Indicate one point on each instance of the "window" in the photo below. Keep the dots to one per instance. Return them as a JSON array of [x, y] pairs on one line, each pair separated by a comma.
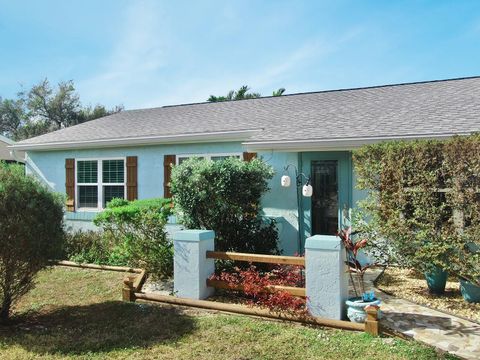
[[214, 157], [99, 181]]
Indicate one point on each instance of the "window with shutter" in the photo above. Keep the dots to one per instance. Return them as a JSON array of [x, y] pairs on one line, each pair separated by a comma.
[[168, 163], [132, 186], [248, 156], [70, 183], [98, 181]]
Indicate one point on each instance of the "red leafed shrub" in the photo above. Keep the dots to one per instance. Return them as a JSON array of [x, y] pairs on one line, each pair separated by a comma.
[[256, 288]]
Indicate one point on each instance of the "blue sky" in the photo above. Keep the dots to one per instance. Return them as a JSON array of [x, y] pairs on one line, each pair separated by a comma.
[[153, 53]]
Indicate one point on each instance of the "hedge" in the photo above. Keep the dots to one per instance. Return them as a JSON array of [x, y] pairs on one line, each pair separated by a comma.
[[424, 201]]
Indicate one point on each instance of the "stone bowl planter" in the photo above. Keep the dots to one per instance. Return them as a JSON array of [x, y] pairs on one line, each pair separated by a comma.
[[470, 292], [356, 309]]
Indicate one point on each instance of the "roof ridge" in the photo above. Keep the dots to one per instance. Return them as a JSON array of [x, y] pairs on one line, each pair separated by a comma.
[[317, 92]]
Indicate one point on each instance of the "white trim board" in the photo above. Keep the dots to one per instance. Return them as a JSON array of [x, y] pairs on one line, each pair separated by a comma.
[[219, 136], [337, 144]]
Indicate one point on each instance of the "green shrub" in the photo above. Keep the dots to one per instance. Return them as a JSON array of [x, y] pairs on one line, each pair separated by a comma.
[[88, 247], [137, 230], [424, 200], [224, 196], [31, 223]]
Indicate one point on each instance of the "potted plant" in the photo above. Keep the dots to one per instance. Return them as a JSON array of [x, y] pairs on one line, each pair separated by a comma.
[[356, 305], [470, 290], [468, 269], [436, 279]]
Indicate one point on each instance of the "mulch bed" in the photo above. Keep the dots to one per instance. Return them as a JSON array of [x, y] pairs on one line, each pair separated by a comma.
[[411, 285]]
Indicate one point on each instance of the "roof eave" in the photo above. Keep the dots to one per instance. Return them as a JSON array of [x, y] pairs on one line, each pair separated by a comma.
[[219, 136], [336, 144]]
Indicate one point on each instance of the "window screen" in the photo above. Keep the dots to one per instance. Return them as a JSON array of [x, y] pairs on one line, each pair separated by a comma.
[[111, 192], [87, 172], [113, 171], [183, 158], [87, 196], [224, 157]]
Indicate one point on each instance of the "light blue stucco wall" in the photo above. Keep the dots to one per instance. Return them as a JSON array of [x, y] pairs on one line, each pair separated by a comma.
[[49, 166], [280, 203]]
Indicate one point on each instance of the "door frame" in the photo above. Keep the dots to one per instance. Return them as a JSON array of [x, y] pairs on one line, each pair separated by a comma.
[[344, 174]]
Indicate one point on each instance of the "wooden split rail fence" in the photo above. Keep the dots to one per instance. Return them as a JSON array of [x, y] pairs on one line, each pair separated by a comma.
[[133, 283], [266, 259], [132, 291]]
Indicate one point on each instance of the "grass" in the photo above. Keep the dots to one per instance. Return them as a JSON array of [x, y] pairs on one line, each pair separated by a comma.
[[411, 285], [77, 314]]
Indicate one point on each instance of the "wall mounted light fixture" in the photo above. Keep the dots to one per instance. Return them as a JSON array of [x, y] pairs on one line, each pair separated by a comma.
[[285, 181]]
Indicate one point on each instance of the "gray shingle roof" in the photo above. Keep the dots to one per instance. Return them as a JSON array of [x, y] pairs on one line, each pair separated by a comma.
[[425, 108]]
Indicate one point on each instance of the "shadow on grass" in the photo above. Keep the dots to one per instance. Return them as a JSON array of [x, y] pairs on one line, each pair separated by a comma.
[[97, 328]]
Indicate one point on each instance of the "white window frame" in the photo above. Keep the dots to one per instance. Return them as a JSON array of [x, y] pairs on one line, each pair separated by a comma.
[[205, 156], [99, 184]]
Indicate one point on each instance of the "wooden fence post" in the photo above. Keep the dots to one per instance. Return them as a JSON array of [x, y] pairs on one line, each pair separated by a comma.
[[128, 292], [371, 324]]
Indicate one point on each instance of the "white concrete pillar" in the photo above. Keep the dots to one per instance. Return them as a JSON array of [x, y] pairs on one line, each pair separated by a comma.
[[191, 267], [326, 278]]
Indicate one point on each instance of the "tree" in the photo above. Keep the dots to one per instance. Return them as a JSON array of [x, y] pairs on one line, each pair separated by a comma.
[[12, 116], [91, 113], [224, 196], [31, 219], [44, 108], [241, 94], [59, 108]]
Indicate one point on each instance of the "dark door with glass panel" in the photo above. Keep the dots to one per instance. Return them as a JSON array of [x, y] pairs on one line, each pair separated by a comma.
[[325, 197]]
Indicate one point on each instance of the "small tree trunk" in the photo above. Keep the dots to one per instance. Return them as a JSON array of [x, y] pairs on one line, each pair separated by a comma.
[[5, 309]]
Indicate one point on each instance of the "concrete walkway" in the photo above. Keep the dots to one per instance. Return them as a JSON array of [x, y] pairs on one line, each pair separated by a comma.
[[435, 328]]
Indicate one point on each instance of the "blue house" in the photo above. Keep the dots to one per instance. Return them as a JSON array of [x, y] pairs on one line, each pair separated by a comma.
[[130, 154]]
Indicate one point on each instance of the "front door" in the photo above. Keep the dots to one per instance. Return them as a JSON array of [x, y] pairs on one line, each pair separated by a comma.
[[331, 178], [324, 206]]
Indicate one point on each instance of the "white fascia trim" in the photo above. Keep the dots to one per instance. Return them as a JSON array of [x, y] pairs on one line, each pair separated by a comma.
[[336, 144], [6, 140], [219, 136]]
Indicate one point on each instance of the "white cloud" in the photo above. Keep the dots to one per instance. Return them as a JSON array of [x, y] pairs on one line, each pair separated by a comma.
[[138, 52], [148, 66], [264, 79]]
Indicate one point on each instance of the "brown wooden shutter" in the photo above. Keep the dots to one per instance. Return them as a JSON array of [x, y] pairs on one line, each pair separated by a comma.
[[248, 156], [132, 186], [168, 162], [70, 183]]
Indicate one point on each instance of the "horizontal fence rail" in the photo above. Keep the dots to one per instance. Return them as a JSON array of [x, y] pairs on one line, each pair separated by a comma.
[[252, 311], [96, 266], [220, 284], [268, 259]]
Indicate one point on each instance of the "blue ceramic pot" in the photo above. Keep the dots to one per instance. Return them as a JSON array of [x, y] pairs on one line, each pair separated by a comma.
[[470, 292], [436, 280], [356, 309]]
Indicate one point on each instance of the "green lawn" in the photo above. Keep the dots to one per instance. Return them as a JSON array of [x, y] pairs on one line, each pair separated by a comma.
[[78, 314]]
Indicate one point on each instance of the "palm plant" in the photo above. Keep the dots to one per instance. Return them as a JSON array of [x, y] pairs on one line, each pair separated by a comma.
[[242, 94], [278, 92]]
